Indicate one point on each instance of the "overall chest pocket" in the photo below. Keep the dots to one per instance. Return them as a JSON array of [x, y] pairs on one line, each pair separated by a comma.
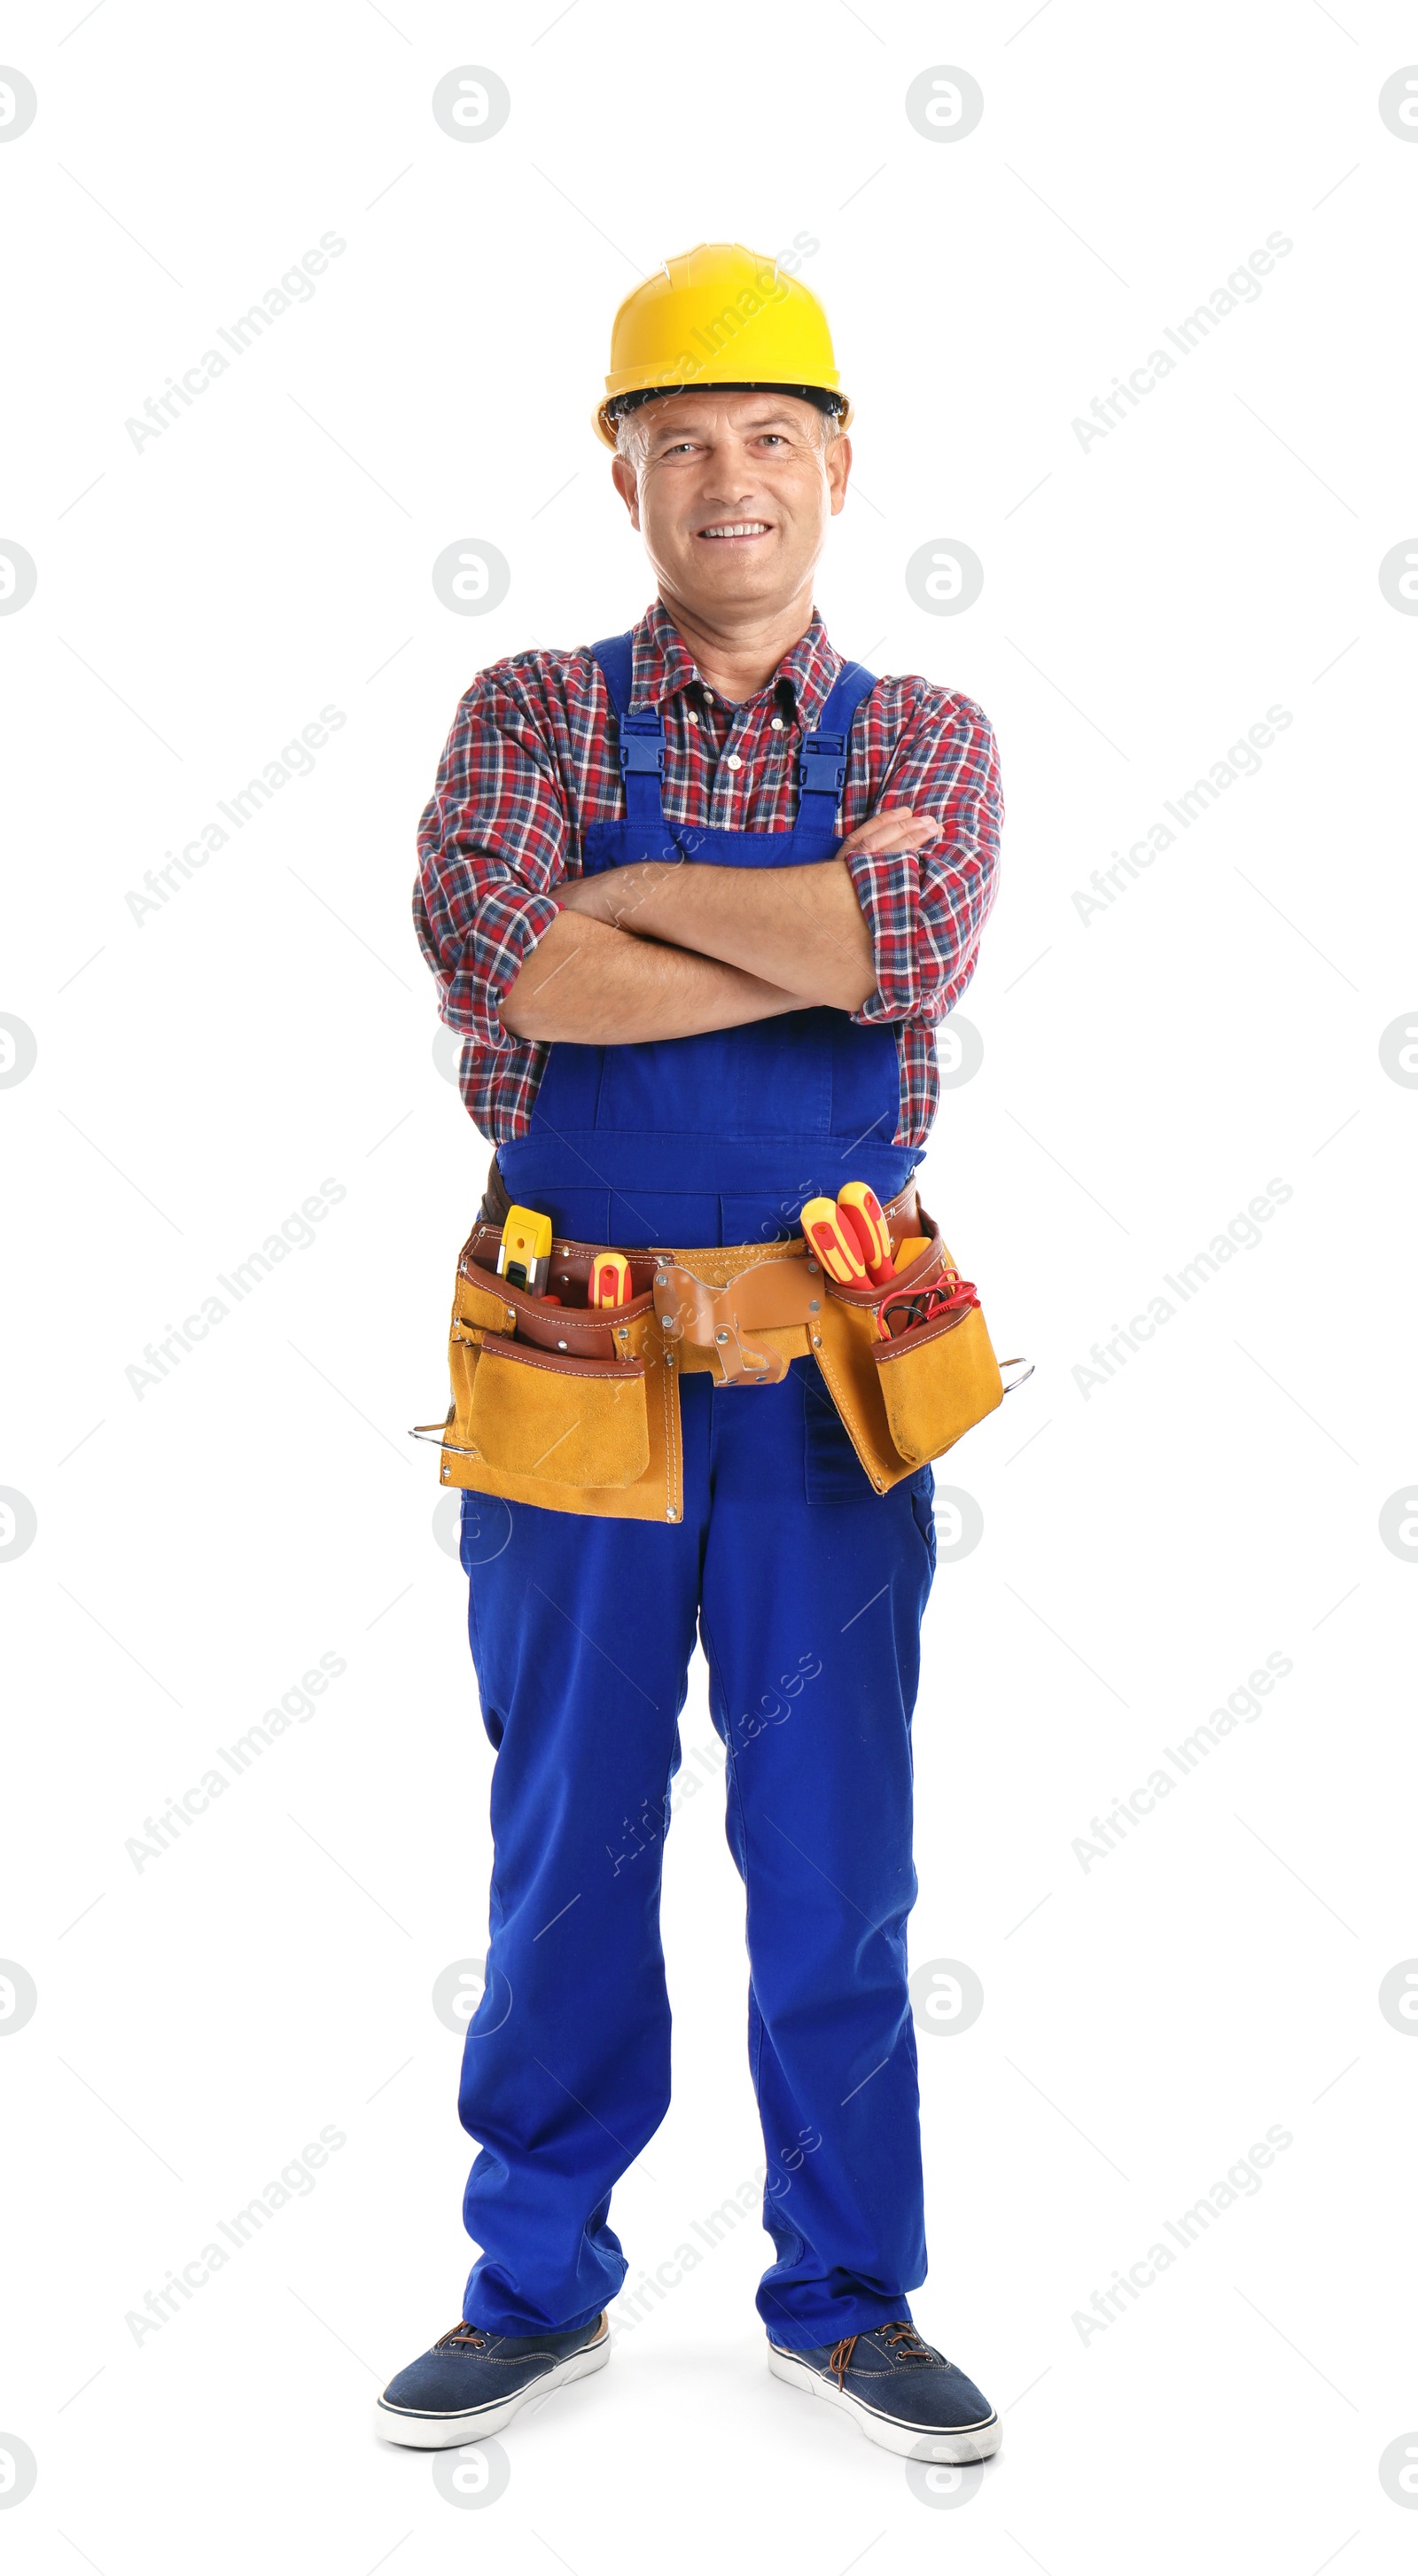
[[765, 1079], [770, 1078], [657, 1086], [781, 1076]]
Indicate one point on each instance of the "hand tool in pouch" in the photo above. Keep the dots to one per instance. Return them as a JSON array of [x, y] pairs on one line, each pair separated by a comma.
[[525, 1250], [835, 1241], [610, 1283], [861, 1214]]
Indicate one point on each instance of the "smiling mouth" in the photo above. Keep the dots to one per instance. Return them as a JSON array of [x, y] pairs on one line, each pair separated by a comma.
[[735, 531]]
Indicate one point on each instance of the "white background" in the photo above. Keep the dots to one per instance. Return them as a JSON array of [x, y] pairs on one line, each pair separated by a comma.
[[1145, 1546]]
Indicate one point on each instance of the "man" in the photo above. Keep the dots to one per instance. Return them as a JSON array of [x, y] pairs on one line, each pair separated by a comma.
[[687, 1006]]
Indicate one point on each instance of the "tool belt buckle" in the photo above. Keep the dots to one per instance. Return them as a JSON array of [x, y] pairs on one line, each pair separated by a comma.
[[694, 1310]]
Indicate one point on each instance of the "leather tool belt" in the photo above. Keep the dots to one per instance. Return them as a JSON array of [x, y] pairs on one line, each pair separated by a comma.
[[576, 1408]]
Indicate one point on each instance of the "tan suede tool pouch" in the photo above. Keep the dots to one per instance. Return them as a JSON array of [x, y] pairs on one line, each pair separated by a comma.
[[905, 1402], [578, 1422], [592, 1426], [938, 1381]]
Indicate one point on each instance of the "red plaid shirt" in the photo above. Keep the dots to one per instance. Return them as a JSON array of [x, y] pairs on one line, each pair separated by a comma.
[[530, 762]]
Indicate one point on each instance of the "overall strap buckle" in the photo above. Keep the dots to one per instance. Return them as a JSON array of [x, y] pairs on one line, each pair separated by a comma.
[[642, 743], [822, 762], [822, 765], [822, 774], [641, 753]]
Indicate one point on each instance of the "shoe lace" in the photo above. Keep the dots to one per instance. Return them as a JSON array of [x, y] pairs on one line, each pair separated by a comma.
[[899, 2336], [461, 2337]]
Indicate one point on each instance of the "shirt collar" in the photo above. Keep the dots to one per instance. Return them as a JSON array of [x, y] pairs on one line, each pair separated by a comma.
[[663, 667]]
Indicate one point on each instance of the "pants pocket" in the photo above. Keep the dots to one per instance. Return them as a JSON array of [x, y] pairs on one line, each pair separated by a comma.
[[832, 1471], [923, 1509]]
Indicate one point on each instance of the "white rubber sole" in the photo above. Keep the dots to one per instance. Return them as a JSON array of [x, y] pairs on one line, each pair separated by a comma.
[[417, 2432], [908, 2441]]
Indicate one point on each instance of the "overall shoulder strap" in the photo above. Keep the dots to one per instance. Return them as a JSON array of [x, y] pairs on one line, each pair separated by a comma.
[[641, 738], [822, 762], [615, 655]]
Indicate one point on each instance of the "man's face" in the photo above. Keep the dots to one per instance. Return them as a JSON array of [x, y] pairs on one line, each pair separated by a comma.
[[751, 463]]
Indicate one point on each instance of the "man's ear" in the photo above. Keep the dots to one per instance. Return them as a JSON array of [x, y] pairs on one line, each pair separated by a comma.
[[624, 479], [839, 467]]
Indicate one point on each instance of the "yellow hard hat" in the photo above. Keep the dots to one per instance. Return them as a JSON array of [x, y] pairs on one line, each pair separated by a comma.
[[722, 316]]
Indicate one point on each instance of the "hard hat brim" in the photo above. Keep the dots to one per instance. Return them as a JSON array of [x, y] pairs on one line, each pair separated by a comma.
[[828, 398]]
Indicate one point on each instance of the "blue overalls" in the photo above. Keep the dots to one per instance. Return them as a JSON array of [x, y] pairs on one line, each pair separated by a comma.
[[806, 1589]]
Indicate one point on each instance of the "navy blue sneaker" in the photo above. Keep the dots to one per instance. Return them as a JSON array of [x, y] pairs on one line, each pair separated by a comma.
[[902, 2392], [471, 2383]]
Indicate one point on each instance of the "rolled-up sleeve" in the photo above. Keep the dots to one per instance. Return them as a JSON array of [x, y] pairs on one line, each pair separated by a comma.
[[927, 908], [492, 844]]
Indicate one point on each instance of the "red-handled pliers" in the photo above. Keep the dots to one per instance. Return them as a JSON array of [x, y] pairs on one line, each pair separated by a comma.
[[946, 1295]]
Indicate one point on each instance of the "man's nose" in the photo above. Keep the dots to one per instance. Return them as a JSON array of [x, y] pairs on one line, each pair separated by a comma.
[[730, 483]]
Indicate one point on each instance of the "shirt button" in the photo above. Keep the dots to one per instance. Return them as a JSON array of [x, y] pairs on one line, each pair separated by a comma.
[[693, 718], [733, 761], [777, 724]]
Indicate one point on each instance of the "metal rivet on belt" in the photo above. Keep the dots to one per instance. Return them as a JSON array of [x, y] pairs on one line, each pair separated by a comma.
[[561, 1346], [721, 1337], [813, 1305], [817, 1341], [662, 1279], [812, 1265]]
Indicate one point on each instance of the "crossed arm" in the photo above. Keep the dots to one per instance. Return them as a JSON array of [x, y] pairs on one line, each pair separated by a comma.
[[661, 950]]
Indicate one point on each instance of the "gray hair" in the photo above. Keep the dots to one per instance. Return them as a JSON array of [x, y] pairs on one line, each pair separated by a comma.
[[632, 431]]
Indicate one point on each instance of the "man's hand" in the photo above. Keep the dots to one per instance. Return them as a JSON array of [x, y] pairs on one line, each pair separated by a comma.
[[800, 929], [896, 827]]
